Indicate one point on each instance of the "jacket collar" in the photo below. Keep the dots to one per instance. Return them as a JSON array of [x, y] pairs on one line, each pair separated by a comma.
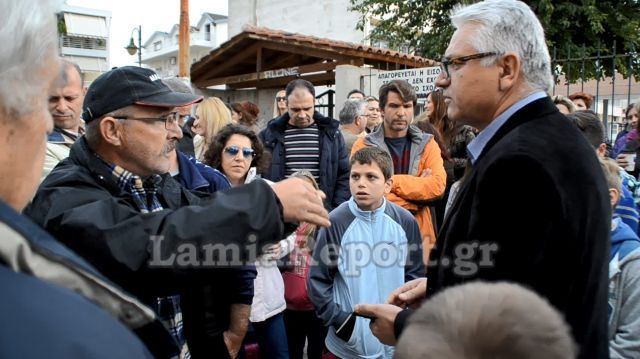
[[416, 136], [325, 124], [368, 216], [190, 177], [540, 108]]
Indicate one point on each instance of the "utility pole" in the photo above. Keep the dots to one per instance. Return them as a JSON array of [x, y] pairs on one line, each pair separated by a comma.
[[184, 64]]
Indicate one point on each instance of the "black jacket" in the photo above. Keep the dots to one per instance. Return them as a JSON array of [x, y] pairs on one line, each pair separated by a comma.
[[537, 193], [334, 159], [80, 204]]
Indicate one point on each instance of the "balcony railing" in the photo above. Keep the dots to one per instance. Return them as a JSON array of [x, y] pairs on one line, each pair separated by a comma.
[[89, 43]]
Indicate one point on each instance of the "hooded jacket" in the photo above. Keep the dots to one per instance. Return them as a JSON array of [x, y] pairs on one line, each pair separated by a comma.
[[624, 292], [412, 191], [334, 159]]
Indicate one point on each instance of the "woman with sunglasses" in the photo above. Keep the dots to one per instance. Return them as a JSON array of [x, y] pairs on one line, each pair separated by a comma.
[[238, 153], [280, 104], [211, 116]]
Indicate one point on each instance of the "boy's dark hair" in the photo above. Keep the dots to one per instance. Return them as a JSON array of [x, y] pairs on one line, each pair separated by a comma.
[[589, 124], [370, 155], [402, 88]]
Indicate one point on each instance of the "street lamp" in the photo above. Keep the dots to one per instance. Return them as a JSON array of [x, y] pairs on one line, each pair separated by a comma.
[[132, 48]]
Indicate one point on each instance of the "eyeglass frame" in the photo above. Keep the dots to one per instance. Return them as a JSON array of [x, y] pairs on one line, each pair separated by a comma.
[[167, 119], [244, 150], [461, 60]]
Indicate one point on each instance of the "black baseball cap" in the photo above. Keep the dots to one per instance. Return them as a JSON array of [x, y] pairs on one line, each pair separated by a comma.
[[130, 85]]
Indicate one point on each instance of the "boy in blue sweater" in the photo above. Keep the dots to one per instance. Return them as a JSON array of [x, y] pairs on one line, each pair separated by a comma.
[[372, 247], [624, 278]]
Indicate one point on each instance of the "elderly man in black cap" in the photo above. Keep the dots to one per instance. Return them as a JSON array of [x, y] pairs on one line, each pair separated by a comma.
[[113, 202]]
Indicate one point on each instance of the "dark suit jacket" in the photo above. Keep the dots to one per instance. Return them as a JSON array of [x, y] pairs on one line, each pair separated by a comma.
[[538, 195]]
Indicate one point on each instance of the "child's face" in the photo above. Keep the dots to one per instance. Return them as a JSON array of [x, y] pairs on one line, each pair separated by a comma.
[[368, 185]]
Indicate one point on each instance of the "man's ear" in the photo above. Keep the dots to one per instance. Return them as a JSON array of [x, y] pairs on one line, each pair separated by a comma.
[[510, 65], [111, 131]]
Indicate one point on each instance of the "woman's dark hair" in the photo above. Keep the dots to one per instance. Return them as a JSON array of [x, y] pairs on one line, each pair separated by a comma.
[[248, 119], [427, 127], [440, 120], [248, 110], [213, 156]]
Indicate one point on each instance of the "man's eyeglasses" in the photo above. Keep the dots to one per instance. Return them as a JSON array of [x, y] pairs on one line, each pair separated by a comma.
[[233, 150], [280, 98], [444, 64], [169, 120]]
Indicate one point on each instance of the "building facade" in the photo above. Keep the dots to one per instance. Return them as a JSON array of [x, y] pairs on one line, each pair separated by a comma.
[[161, 49], [321, 18], [84, 39]]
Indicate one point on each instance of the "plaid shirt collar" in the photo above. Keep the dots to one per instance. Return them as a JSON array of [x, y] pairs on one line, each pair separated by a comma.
[[143, 191]]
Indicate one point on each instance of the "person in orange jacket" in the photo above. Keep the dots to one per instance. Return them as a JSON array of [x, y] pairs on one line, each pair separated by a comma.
[[419, 175]]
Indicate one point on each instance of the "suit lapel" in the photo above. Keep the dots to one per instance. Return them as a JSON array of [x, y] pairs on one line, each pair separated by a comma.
[[530, 112]]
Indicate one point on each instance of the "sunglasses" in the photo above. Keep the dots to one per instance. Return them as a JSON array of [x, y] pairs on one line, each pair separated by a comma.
[[280, 98], [233, 150]]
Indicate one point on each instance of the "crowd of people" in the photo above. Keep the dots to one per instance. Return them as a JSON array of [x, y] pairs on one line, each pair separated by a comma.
[[142, 220]]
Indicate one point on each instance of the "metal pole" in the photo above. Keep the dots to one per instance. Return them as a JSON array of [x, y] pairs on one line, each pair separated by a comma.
[[597, 78], [139, 45], [632, 55], [613, 87], [582, 70], [553, 70], [568, 72]]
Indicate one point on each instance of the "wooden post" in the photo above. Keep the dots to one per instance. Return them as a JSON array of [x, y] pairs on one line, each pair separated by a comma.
[[183, 40]]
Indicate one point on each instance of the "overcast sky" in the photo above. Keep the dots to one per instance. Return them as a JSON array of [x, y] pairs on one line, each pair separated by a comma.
[[152, 15]]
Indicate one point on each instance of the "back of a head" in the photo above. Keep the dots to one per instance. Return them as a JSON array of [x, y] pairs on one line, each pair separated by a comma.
[[350, 110], [29, 54], [176, 84], [215, 113], [561, 100], [251, 108], [590, 125], [509, 26], [29, 63], [481, 320]]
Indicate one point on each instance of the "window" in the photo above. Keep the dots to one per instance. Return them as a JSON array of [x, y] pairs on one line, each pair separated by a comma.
[[207, 32], [157, 46], [172, 61]]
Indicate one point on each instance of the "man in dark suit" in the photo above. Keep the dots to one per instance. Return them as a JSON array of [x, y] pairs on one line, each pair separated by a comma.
[[533, 208]]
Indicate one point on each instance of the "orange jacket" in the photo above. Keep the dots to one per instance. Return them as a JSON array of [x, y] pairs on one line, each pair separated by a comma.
[[411, 191]]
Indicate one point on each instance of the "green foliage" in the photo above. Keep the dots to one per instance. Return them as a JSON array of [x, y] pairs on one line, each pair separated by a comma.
[[574, 29]]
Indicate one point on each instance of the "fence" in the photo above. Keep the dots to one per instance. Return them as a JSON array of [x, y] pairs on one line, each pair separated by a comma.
[[612, 89]]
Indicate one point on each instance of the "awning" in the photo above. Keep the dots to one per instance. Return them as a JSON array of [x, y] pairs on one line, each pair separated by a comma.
[[83, 25]]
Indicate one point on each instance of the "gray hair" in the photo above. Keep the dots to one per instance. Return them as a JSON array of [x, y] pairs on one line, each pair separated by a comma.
[[486, 320], [509, 26], [176, 84], [30, 53], [352, 109]]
